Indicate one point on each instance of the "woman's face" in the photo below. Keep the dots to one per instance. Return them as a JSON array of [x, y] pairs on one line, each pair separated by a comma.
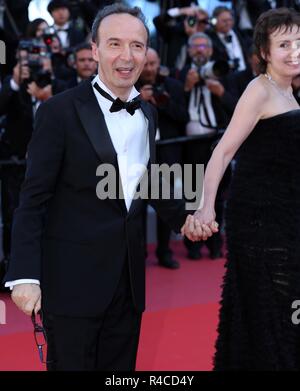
[[284, 52], [40, 29]]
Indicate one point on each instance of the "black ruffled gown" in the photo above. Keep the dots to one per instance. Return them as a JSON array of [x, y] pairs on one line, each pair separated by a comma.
[[262, 276]]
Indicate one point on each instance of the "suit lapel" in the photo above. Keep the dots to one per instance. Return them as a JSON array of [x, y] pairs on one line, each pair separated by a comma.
[[151, 129], [95, 127], [146, 109], [94, 124]]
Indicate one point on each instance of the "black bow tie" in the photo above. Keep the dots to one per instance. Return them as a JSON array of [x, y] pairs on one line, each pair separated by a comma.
[[228, 38], [118, 104], [64, 29]]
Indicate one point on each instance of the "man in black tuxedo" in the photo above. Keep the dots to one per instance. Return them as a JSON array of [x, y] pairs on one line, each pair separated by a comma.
[[85, 247], [69, 34], [228, 44]]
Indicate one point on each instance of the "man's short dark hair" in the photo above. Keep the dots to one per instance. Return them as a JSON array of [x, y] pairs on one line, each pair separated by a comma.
[[118, 8], [219, 10], [55, 4], [269, 22], [82, 46]]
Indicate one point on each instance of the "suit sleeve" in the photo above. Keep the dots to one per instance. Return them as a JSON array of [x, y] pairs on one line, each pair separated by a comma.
[[45, 155], [172, 211]]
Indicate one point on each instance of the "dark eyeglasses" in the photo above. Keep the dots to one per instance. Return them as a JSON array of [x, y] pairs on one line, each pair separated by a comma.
[[40, 337]]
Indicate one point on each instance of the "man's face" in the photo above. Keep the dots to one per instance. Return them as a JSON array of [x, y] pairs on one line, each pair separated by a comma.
[[60, 15], [85, 65], [224, 22], [151, 67], [120, 52], [202, 22], [200, 51]]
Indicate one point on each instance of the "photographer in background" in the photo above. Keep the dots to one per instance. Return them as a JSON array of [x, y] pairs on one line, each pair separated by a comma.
[[30, 84], [167, 95], [174, 27], [13, 24], [228, 43], [209, 113]]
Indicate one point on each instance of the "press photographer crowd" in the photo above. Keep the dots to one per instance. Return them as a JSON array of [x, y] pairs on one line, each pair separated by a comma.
[[198, 66]]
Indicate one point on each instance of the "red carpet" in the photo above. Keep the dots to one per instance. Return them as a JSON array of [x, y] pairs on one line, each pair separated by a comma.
[[178, 328]]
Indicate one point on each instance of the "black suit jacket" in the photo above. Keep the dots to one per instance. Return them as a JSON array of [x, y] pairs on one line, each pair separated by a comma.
[[235, 84], [17, 106], [219, 49], [254, 8], [63, 235], [172, 118]]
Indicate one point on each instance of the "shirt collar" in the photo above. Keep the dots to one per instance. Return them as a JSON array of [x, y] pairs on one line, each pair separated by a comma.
[[133, 92], [63, 27], [222, 35]]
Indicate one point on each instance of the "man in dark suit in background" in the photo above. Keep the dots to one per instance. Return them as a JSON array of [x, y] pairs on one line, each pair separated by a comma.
[[167, 95], [83, 246], [20, 96], [228, 43], [85, 65], [69, 34]]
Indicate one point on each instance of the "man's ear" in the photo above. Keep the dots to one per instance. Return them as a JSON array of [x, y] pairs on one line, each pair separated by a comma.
[[95, 52]]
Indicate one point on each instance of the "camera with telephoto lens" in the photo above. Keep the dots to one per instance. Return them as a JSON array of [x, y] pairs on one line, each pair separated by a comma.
[[159, 90], [35, 52], [191, 21], [214, 70], [234, 64]]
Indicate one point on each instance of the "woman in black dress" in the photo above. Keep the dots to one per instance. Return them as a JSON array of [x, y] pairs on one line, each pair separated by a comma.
[[262, 278]]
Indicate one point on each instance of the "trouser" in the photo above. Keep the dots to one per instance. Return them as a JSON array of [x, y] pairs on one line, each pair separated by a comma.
[[108, 342]]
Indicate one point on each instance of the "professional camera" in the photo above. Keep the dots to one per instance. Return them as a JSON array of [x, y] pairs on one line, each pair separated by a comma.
[[214, 69], [234, 64], [191, 21], [35, 52], [159, 90], [48, 35]]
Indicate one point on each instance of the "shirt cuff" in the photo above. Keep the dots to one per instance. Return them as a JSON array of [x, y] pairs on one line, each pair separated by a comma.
[[11, 284], [173, 12], [13, 85]]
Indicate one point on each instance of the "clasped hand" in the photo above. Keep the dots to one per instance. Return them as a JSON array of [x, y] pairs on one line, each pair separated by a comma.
[[200, 226]]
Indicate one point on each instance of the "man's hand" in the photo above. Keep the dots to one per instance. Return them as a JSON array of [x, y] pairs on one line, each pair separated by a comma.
[[215, 87], [27, 297], [147, 94], [20, 73], [192, 78], [200, 226], [39, 93]]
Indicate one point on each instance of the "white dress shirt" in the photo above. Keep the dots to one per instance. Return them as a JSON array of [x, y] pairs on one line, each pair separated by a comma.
[[197, 113], [234, 49], [63, 35], [130, 138]]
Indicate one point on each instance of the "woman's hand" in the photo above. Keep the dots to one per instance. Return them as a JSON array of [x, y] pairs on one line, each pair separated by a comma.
[[206, 218]]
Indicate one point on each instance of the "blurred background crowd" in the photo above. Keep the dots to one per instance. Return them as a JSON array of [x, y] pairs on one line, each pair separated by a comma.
[[200, 61]]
